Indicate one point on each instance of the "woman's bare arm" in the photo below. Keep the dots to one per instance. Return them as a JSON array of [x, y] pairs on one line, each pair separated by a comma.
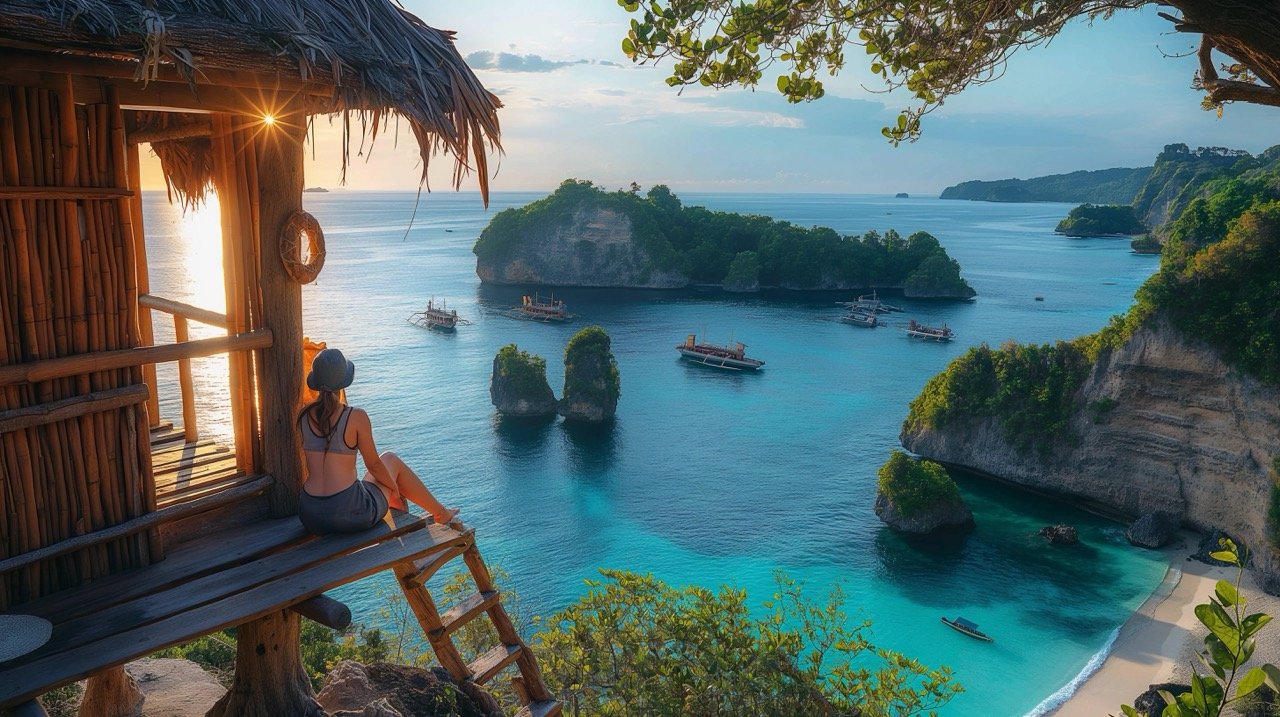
[[369, 451]]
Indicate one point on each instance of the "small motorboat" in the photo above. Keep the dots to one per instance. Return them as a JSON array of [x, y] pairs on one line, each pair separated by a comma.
[[969, 628]]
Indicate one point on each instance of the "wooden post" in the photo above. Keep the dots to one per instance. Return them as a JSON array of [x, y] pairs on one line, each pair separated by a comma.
[[111, 693], [180, 335], [269, 680], [279, 154]]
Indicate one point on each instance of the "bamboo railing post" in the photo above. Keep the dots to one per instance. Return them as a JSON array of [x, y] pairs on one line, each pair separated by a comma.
[[184, 380], [146, 334], [279, 159]]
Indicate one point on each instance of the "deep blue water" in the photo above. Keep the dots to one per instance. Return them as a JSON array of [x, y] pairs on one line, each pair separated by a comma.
[[710, 477]]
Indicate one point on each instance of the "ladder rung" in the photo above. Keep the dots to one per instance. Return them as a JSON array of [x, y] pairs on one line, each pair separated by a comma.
[[466, 611], [429, 565], [546, 708], [488, 665]]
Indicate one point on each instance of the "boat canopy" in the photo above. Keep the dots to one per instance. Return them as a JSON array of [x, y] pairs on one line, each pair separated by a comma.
[[966, 624]]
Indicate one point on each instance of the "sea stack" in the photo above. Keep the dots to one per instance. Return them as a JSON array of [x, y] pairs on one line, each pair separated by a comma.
[[591, 383], [918, 496], [519, 385]]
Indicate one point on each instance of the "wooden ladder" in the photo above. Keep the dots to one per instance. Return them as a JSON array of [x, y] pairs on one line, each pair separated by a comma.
[[439, 629]]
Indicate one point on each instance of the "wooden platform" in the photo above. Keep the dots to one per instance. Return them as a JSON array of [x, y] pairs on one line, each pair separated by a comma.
[[186, 471]]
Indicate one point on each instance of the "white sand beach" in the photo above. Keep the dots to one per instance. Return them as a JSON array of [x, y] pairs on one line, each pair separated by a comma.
[[1159, 642]]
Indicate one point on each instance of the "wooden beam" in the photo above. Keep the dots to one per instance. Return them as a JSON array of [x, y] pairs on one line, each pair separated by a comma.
[[63, 193], [166, 134], [178, 308], [97, 402], [126, 358], [279, 160], [137, 525], [324, 610]]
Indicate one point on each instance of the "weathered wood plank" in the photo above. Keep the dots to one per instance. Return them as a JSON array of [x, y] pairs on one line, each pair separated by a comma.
[[488, 665], [466, 611], [203, 490], [54, 411], [545, 708], [39, 674]]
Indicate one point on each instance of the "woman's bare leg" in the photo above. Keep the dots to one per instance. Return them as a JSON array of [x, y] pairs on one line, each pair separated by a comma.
[[410, 486]]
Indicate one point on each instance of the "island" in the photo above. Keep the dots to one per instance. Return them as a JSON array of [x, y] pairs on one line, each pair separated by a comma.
[[316, 190], [1103, 186], [519, 387], [582, 235], [1101, 220], [591, 383], [902, 195], [917, 496]]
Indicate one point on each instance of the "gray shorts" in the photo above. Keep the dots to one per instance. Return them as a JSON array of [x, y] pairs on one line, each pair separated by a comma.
[[351, 510]]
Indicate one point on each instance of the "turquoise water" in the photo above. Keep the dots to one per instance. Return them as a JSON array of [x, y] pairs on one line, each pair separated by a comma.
[[710, 477]]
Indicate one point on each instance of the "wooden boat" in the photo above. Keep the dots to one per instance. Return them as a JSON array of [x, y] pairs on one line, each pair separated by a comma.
[[533, 308], [969, 628], [858, 317], [918, 330], [732, 358], [870, 303], [438, 318]]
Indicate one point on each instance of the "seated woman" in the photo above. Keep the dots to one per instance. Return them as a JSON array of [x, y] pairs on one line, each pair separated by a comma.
[[334, 499]]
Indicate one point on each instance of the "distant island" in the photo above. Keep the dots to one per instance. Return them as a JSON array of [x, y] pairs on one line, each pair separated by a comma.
[[902, 195], [316, 190], [1101, 220], [581, 235], [1103, 186]]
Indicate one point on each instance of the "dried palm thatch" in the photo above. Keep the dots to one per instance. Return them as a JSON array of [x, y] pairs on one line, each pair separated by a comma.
[[378, 59]]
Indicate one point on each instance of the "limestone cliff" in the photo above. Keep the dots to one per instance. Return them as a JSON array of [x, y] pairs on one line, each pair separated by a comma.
[[592, 247], [1172, 427]]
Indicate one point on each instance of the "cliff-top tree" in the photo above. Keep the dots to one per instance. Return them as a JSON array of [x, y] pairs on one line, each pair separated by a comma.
[[933, 48]]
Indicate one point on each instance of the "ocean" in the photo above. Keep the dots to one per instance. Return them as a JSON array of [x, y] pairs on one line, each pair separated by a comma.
[[710, 477]]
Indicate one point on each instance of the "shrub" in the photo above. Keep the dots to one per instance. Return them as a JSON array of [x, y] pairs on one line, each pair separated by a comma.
[[527, 372], [913, 485], [634, 646]]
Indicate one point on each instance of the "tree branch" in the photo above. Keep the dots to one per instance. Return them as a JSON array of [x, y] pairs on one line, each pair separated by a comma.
[[1221, 90]]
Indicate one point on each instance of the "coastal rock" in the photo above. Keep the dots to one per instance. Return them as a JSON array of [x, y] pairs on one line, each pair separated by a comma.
[[518, 386], [383, 690], [174, 688], [1210, 544], [918, 496], [1262, 703], [1153, 530], [591, 383], [1060, 534], [1186, 433], [1151, 704]]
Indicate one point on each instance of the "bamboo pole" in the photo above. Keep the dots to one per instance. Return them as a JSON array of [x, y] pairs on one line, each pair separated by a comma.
[[178, 308], [73, 407], [145, 333], [187, 385]]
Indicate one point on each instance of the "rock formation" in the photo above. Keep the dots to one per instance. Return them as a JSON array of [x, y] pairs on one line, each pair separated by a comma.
[[1153, 530], [519, 385], [383, 690], [591, 383], [1151, 704], [917, 496], [1060, 534], [1185, 433]]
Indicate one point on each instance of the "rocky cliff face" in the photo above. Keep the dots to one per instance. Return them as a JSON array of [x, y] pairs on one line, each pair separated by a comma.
[[593, 248], [1169, 426]]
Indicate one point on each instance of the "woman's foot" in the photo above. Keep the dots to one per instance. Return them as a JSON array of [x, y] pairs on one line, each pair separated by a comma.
[[448, 517]]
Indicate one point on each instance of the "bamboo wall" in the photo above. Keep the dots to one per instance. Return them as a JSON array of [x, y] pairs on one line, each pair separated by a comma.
[[68, 285]]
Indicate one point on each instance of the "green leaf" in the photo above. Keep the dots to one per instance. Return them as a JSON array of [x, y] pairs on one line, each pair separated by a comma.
[[1252, 680], [1227, 593], [628, 47], [1225, 556], [1273, 676], [783, 83]]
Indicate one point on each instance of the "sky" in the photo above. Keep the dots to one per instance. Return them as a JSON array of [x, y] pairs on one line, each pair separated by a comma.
[[1111, 94]]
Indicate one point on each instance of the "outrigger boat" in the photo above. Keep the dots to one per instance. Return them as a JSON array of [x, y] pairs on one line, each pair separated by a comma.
[[732, 358], [533, 308], [870, 303], [969, 628], [917, 330], [858, 317], [438, 318]]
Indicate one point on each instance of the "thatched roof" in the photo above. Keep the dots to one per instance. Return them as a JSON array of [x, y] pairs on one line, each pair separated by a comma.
[[376, 58]]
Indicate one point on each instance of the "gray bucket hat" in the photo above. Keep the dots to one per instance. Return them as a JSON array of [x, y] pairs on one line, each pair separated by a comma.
[[330, 371]]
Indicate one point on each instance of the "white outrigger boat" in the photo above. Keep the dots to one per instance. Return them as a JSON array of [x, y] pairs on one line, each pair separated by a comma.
[[438, 318], [858, 317], [533, 308], [732, 358], [870, 303], [918, 330]]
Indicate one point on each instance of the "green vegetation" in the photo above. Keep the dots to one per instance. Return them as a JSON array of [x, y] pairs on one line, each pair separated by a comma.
[[1228, 648], [734, 249], [1177, 177], [1103, 186], [588, 349], [1030, 388], [527, 372], [1091, 220], [1273, 509], [913, 485], [937, 275], [1146, 244], [1101, 408], [634, 646]]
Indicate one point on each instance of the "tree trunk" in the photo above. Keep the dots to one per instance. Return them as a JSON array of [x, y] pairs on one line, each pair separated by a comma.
[[269, 681], [111, 693]]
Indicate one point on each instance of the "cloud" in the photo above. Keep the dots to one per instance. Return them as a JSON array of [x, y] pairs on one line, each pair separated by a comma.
[[510, 62]]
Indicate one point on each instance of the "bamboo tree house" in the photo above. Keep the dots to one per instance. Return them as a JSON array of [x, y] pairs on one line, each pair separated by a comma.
[[129, 534]]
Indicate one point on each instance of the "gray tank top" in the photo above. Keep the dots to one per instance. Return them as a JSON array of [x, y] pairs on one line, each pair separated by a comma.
[[337, 442]]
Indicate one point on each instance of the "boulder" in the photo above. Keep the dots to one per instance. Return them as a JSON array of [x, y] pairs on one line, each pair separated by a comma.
[[519, 385], [1211, 544], [1153, 530], [1151, 704], [1060, 534], [384, 690], [175, 688], [591, 383], [926, 520]]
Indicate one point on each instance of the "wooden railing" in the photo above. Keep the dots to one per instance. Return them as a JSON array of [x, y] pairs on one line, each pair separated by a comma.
[[181, 313]]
